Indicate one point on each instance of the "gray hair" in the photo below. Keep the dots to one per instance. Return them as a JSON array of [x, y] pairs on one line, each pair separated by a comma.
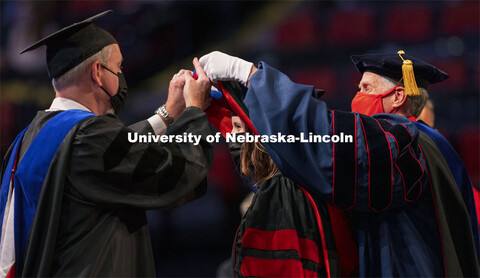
[[414, 104], [74, 76]]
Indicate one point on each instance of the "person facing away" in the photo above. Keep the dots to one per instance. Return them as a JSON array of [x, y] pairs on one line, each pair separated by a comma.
[[75, 187], [428, 114], [401, 182]]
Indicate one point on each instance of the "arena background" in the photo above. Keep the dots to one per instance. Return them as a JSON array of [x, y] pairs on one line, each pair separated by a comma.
[[311, 41]]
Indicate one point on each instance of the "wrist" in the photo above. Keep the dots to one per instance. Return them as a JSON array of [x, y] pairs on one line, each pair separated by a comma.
[[195, 103], [252, 71], [175, 108], [164, 115]]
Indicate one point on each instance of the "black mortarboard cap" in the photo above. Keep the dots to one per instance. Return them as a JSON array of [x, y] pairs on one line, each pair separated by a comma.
[[237, 94], [390, 65], [73, 44]]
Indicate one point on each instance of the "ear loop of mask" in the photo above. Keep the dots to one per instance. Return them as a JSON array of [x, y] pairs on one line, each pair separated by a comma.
[[112, 73], [393, 90]]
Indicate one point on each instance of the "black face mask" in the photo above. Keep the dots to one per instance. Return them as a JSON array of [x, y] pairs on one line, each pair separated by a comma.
[[118, 101]]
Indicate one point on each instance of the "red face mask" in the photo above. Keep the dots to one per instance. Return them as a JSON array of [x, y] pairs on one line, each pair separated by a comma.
[[369, 104]]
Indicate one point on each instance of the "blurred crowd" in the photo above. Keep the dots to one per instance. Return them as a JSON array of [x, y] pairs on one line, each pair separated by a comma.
[[311, 41]]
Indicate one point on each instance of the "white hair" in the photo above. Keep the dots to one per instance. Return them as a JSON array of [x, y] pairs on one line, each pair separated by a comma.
[[74, 75], [415, 104]]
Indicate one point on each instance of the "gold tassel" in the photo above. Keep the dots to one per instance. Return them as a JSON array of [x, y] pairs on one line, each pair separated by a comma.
[[411, 88]]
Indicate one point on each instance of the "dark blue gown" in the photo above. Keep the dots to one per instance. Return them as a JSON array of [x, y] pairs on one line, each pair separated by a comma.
[[381, 178]]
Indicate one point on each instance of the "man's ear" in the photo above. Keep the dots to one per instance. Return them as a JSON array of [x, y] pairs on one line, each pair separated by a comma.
[[400, 97], [96, 73]]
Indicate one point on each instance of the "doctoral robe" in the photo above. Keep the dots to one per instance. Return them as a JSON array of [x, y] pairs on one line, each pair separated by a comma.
[[90, 218], [392, 180], [288, 233]]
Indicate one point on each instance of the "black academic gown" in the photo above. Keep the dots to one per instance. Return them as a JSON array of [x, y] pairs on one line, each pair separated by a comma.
[[90, 218], [279, 236]]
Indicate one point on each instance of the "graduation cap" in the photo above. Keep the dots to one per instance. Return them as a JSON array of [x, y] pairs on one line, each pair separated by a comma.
[[73, 44], [398, 66], [231, 103]]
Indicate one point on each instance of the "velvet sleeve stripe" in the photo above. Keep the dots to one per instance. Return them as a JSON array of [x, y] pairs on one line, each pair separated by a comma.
[[176, 172], [281, 240], [117, 150], [380, 180], [344, 161], [279, 253], [407, 164]]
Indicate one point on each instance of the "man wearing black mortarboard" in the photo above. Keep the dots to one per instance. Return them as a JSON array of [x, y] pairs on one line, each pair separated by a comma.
[[400, 183], [76, 182]]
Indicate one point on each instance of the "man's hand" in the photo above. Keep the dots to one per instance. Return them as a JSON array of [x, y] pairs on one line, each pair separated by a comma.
[[222, 67], [176, 101], [195, 91]]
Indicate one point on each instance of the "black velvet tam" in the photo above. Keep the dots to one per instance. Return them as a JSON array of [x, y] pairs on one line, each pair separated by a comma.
[[390, 65], [72, 45]]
